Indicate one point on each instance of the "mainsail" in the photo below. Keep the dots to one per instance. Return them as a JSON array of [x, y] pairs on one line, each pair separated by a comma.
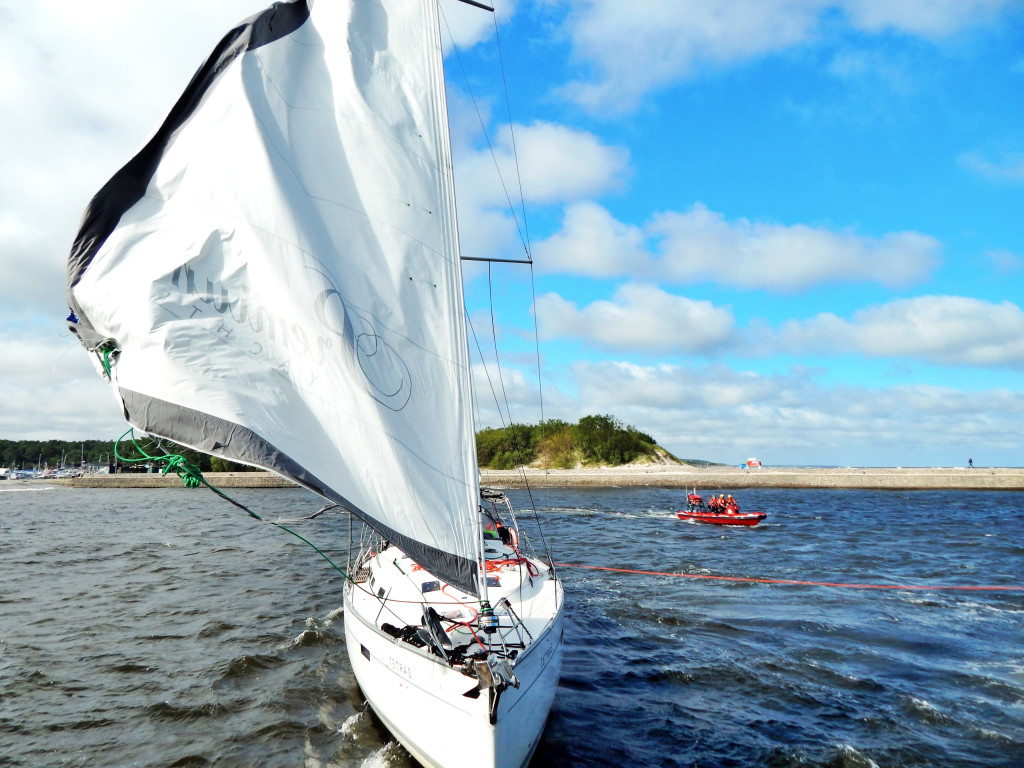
[[274, 278]]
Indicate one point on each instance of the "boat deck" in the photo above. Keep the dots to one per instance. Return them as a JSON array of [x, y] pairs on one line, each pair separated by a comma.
[[396, 590]]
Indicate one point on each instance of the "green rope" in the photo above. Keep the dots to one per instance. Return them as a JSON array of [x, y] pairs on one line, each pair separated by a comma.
[[108, 348], [192, 477], [189, 473]]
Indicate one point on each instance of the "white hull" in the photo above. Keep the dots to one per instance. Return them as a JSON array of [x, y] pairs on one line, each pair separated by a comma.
[[420, 698]]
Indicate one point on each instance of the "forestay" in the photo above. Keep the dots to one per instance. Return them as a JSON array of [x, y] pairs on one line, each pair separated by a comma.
[[276, 274]]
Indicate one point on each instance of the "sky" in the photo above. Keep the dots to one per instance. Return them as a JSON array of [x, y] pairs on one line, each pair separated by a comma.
[[789, 229]]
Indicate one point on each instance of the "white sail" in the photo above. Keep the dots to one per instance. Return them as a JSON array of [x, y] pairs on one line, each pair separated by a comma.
[[277, 274]]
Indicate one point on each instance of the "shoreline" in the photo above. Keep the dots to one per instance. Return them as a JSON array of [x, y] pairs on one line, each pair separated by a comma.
[[654, 476], [730, 478]]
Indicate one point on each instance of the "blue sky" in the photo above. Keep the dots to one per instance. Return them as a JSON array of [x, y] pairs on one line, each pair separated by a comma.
[[778, 228]]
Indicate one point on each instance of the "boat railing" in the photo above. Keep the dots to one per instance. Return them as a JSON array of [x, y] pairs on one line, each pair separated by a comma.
[[511, 633], [359, 564]]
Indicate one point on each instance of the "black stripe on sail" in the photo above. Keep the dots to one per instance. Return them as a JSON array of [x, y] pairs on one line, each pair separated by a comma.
[[220, 437], [129, 184]]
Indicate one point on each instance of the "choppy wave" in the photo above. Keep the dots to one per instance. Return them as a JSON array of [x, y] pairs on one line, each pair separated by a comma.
[[163, 628]]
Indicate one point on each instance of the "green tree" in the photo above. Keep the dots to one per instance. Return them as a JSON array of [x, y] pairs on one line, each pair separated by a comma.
[[558, 444]]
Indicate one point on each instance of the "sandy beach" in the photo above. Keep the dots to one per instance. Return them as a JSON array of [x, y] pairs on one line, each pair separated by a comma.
[[660, 476]]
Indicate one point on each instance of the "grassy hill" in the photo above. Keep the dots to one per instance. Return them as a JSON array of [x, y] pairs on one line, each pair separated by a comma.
[[556, 444]]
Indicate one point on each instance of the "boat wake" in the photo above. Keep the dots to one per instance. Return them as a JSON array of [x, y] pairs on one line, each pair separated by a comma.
[[391, 755], [348, 728]]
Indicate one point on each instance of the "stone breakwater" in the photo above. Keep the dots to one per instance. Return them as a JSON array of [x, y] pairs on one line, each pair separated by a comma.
[[712, 478], [657, 476]]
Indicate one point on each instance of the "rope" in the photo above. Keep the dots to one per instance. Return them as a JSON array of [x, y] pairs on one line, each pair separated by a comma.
[[1004, 588], [189, 473], [524, 237], [490, 146], [192, 477]]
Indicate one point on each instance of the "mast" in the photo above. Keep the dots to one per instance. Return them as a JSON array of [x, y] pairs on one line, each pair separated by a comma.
[[445, 157]]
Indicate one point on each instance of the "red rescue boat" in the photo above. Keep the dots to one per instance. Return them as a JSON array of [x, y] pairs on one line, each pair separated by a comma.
[[743, 518], [721, 514]]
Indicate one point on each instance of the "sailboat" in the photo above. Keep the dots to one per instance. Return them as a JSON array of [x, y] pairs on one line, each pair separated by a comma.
[[275, 278]]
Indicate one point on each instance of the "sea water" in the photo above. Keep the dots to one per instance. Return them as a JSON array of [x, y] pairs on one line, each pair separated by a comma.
[[165, 627]]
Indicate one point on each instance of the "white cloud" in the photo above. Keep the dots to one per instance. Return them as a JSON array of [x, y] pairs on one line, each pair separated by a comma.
[[726, 415], [487, 233], [866, 76], [940, 330], [591, 242], [1004, 261], [639, 318], [498, 392], [555, 164], [1005, 167], [701, 245], [946, 330], [648, 44], [32, 278], [51, 389], [924, 18]]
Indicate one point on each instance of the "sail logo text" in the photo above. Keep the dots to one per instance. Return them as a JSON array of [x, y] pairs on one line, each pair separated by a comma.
[[268, 335], [272, 328]]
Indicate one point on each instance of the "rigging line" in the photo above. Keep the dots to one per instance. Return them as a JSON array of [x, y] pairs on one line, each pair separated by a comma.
[[386, 599], [526, 223], [494, 394], [540, 527], [924, 587], [540, 393], [383, 600], [497, 363], [536, 344], [192, 477], [487, 373], [512, 133], [480, 119], [324, 508], [511, 426], [497, 403], [524, 238]]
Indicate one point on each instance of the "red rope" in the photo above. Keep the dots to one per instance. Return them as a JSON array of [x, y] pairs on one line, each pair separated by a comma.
[[792, 581], [493, 566]]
